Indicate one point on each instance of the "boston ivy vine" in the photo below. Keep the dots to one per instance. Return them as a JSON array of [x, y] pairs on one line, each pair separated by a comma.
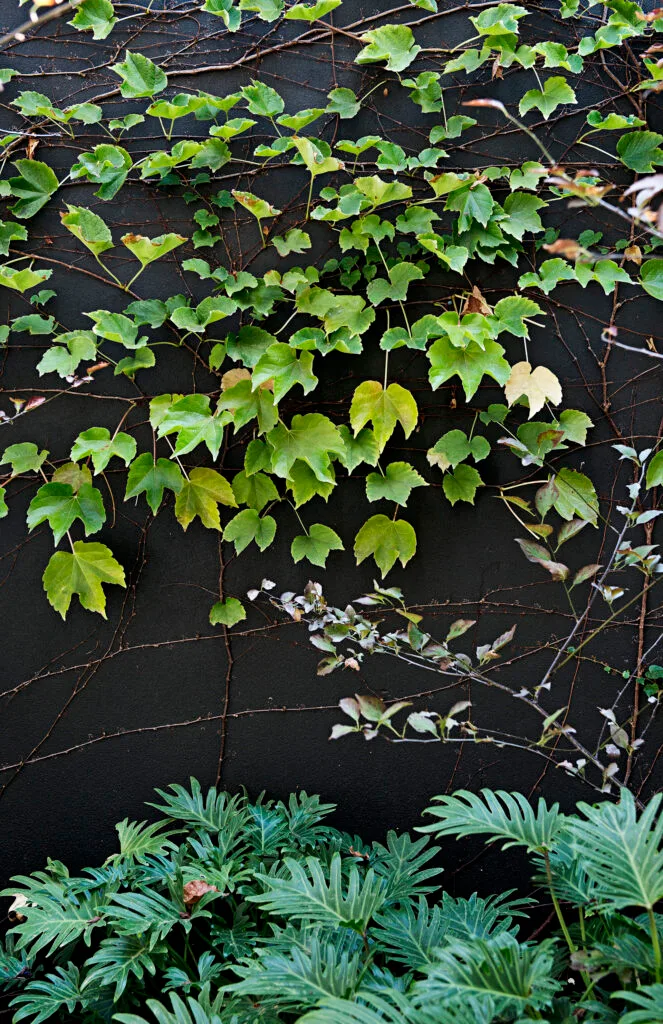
[[394, 221]]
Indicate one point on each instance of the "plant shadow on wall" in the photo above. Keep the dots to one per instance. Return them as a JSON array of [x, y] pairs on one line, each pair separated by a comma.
[[411, 322]]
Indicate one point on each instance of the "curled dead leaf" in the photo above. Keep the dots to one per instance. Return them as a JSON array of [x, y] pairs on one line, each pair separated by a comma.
[[194, 891]]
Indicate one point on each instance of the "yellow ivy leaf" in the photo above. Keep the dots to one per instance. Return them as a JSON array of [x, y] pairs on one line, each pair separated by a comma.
[[538, 386]]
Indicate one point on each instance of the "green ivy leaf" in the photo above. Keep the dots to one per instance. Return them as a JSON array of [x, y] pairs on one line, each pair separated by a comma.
[[312, 439], [343, 102], [98, 444], [470, 364], [316, 545], [88, 228], [256, 490], [151, 478], [310, 12], [96, 16], [556, 91], [654, 470], [61, 506], [147, 250], [461, 484], [140, 76], [244, 404], [401, 276], [200, 496], [651, 278], [82, 572], [294, 240], [386, 540], [360, 448], [392, 43], [10, 232], [248, 526], [640, 151], [191, 418], [260, 208], [22, 280], [396, 484], [33, 188], [522, 216], [576, 497], [454, 447], [262, 100], [384, 409], [227, 613], [23, 458], [107, 166], [64, 358], [281, 364]]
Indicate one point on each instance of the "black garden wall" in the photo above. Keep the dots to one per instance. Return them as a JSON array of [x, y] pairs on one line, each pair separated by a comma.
[[96, 713]]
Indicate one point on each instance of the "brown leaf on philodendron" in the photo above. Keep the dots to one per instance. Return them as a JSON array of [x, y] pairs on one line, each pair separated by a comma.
[[194, 891]]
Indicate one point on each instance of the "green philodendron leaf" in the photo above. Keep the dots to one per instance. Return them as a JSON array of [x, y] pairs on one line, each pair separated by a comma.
[[384, 409], [88, 228], [61, 506], [392, 43], [140, 76], [82, 571], [556, 91], [249, 526], [151, 479], [316, 545], [147, 250], [98, 444], [396, 484], [23, 458], [310, 12], [227, 613], [96, 16], [461, 484], [386, 540], [200, 496], [22, 280], [33, 188]]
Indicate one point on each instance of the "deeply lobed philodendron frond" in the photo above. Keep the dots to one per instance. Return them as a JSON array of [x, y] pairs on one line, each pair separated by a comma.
[[237, 912]]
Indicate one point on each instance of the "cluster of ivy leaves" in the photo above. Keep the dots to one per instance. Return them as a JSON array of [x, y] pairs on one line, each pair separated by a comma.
[[416, 217]]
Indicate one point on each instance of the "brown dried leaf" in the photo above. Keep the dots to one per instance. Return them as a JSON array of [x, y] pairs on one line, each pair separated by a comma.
[[194, 891]]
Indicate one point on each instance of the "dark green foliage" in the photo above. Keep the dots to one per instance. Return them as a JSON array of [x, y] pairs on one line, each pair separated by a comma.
[[233, 912]]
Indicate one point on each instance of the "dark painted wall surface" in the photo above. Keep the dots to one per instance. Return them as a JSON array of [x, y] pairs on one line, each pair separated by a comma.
[[156, 667]]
